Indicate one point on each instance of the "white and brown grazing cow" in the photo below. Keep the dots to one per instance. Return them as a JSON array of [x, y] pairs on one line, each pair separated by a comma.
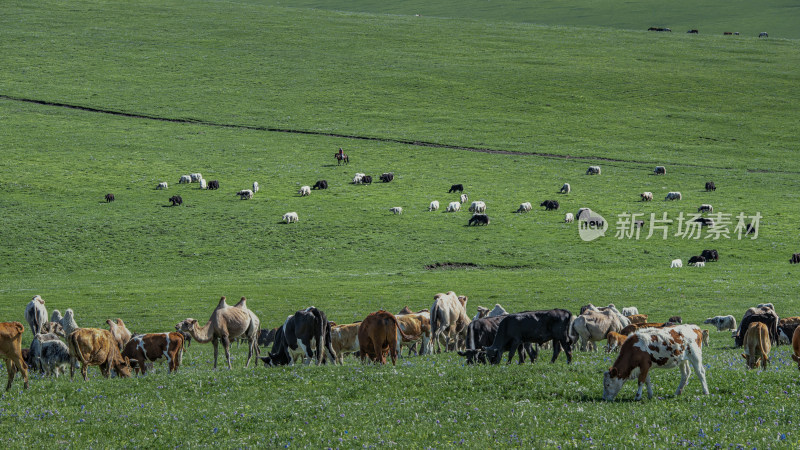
[[664, 348], [756, 346], [344, 339], [418, 327], [614, 341], [144, 348], [96, 347], [11, 351], [638, 318]]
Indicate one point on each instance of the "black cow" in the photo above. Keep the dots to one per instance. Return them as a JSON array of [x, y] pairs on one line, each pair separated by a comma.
[[675, 319], [787, 330], [266, 337], [710, 255], [696, 259], [299, 331], [109, 198], [176, 200], [710, 186], [550, 205], [387, 177], [704, 222], [213, 184], [693, 32], [478, 219], [321, 184], [795, 258], [481, 333], [535, 327], [658, 29], [366, 179], [768, 318], [456, 188]]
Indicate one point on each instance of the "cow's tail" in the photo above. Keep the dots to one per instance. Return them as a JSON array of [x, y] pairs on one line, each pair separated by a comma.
[[403, 335], [74, 348], [435, 320], [572, 333], [471, 337]]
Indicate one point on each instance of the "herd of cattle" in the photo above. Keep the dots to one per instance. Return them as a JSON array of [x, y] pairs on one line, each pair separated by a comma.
[[695, 31], [308, 335]]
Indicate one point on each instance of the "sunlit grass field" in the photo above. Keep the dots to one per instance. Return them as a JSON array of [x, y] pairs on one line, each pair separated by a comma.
[[554, 99]]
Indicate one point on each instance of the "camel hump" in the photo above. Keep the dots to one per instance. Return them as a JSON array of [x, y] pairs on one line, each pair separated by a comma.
[[222, 303], [242, 303]]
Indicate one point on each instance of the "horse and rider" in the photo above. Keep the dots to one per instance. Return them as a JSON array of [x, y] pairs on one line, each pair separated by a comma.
[[341, 157]]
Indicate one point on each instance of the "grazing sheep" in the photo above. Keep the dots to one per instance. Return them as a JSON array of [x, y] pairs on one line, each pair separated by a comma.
[[524, 207], [36, 314], [397, 210], [185, 179], [255, 186], [676, 263], [68, 322], [109, 198], [593, 170], [245, 194], [456, 188], [290, 217], [630, 311], [477, 207], [453, 207], [162, 185], [660, 170], [304, 191], [464, 198], [196, 177], [705, 208], [700, 264], [673, 196], [434, 206], [320, 184], [710, 186], [565, 189], [387, 177], [569, 218], [478, 219], [358, 178], [176, 200], [213, 185], [54, 358], [203, 184], [646, 196]]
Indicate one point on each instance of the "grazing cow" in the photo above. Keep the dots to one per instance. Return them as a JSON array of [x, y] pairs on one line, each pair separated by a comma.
[[592, 326], [696, 259], [176, 200], [434, 206], [722, 322], [481, 333], [162, 185], [320, 184], [120, 332], [569, 218], [756, 346], [727, 33], [387, 177], [213, 185], [795, 258], [565, 189], [536, 327], [524, 207], [614, 341], [11, 351], [796, 346], [710, 186], [673, 196], [692, 32], [705, 208], [448, 319], [245, 194], [266, 337], [307, 332], [675, 319], [549, 205], [96, 347], [196, 177], [638, 318], [36, 314], [661, 348], [764, 315], [109, 198], [344, 340], [304, 191], [456, 188], [611, 307], [153, 347], [710, 255], [464, 198], [453, 207], [366, 179], [396, 209], [660, 170], [290, 217], [478, 219], [704, 222], [763, 34], [418, 328], [377, 336], [255, 186], [630, 311], [477, 207], [676, 263], [185, 179], [593, 170], [54, 357], [646, 196]]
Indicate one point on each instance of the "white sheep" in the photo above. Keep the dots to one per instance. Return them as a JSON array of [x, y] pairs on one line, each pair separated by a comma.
[[646, 196], [700, 264], [453, 207], [185, 179], [196, 177], [358, 178], [434, 206], [569, 218], [162, 185], [593, 170], [705, 208], [673, 196], [397, 210], [464, 198], [255, 186], [477, 207], [290, 217], [524, 207], [245, 194], [203, 184], [676, 263], [304, 191], [565, 188]]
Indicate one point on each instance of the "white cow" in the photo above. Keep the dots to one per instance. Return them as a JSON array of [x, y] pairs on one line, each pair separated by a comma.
[[185, 179], [290, 217], [477, 207], [196, 177], [396, 209], [593, 170], [676, 263], [245, 194], [449, 319], [453, 207], [464, 198], [565, 189], [304, 191], [524, 207], [203, 184], [358, 178], [593, 326], [434, 205]]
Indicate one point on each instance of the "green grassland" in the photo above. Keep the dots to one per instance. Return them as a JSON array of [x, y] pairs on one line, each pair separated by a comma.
[[708, 108]]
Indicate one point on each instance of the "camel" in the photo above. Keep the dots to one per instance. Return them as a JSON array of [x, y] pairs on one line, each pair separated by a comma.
[[226, 323], [120, 332]]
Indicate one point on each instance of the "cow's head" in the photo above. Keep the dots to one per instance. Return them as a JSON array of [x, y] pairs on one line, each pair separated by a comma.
[[612, 383], [474, 356], [493, 355], [754, 361], [123, 367]]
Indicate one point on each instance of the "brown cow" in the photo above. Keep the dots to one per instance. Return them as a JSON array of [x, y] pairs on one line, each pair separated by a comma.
[[638, 326], [96, 347], [757, 346], [144, 348], [377, 335], [11, 351], [796, 346], [418, 326], [344, 339], [638, 318], [614, 341]]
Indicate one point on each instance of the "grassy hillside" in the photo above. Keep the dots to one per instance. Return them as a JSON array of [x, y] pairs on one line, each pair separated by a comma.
[[639, 98], [778, 17]]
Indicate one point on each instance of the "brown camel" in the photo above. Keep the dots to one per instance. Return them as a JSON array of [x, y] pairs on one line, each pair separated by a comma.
[[120, 332], [226, 323]]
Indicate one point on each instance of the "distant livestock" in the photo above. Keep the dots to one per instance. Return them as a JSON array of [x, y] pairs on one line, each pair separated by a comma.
[[477, 206], [434, 205], [109, 198], [727, 33], [673, 196], [795, 258], [646, 196], [185, 179], [659, 29], [676, 263], [341, 157], [692, 32], [456, 188], [710, 255], [358, 178], [176, 200], [660, 170], [290, 217], [162, 185], [630, 311], [593, 170], [387, 177], [453, 207], [704, 222], [583, 214], [565, 189], [700, 264], [722, 322], [196, 177], [36, 314], [524, 207], [321, 184], [464, 198], [550, 205], [245, 194], [696, 259], [255, 186], [204, 185], [569, 218], [366, 179], [710, 186], [396, 209], [304, 191], [213, 185], [763, 34], [479, 219], [705, 208]]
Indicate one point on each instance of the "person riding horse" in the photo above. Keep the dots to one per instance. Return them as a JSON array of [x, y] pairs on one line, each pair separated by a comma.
[[341, 157]]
